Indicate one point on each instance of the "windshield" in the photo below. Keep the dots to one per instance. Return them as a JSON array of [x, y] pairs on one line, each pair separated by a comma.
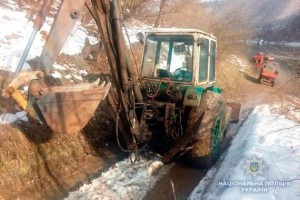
[[271, 65], [168, 56]]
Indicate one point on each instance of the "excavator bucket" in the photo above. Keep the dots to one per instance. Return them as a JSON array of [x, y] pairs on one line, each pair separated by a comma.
[[65, 109]]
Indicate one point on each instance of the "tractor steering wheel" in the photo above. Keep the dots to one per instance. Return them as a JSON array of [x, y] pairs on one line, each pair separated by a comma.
[[183, 73]]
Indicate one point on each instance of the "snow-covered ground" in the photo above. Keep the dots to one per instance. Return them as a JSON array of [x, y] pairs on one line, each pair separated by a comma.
[[125, 180], [263, 162], [261, 42], [9, 118]]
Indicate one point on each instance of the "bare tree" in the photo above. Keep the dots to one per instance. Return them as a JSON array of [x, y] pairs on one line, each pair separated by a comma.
[[161, 8], [132, 7], [232, 25], [229, 21], [154, 12]]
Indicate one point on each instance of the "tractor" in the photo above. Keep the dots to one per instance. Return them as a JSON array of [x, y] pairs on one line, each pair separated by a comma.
[[268, 68], [172, 100], [269, 72]]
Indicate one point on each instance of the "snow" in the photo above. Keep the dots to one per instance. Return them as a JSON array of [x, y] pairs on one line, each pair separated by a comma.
[[125, 180], [292, 44], [8, 118], [261, 42], [18, 28], [76, 40], [59, 67], [133, 27], [56, 74], [235, 60], [271, 138], [14, 37], [17, 31]]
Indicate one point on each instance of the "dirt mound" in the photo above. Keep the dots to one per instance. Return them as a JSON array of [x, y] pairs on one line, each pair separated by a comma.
[[36, 163], [39, 164]]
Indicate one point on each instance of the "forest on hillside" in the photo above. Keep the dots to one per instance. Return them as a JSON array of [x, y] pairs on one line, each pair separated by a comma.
[[232, 22]]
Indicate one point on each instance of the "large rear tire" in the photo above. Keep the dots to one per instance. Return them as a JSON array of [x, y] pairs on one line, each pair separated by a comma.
[[206, 150]]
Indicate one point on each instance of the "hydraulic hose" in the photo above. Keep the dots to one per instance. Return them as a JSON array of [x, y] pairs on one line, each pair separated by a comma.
[[120, 44], [126, 70]]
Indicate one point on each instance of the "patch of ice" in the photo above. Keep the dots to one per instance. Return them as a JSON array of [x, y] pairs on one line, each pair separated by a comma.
[[57, 66], [76, 76], [9, 118], [83, 72], [69, 76], [125, 180], [292, 44], [22, 116]]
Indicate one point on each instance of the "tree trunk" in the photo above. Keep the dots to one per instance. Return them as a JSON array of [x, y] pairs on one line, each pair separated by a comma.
[[161, 7]]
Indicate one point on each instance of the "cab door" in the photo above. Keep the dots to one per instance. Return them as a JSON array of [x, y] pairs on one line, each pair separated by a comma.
[[207, 60]]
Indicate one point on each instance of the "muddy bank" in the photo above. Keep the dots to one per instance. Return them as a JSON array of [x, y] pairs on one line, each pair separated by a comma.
[[39, 164]]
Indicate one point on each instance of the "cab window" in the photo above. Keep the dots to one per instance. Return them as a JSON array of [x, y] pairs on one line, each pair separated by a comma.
[[212, 64], [168, 56], [203, 65]]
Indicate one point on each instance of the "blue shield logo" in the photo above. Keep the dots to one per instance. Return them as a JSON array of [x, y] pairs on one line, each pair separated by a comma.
[[254, 166]]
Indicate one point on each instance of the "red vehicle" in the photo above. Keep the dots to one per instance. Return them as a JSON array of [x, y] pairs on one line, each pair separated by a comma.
[[269, 72], [258, 60]]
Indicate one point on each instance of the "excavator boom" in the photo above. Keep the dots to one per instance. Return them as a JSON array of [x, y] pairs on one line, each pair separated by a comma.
[[65, 109], [108, 19], [68, 14]]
